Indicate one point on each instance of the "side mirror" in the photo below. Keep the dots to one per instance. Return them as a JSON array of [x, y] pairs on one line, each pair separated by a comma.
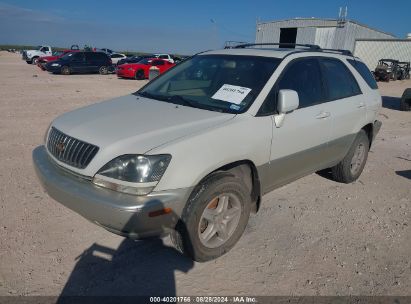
[[288, 101]]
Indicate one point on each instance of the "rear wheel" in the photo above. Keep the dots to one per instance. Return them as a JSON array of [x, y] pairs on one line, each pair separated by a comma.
[[351, 167], [65, 70], [103, 70], [140, 75], [214, 218]]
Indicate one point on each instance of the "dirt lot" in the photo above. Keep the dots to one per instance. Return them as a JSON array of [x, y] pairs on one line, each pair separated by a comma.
[[312, 237]]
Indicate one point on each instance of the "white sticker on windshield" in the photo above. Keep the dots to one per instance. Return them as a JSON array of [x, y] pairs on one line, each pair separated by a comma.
[[231, 93]]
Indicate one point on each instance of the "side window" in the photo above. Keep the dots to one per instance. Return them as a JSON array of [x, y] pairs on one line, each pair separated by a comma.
[[365, 73], [339, 80], [44, 49], [303, 76], [77, 57], [163, 57], [90, 57]]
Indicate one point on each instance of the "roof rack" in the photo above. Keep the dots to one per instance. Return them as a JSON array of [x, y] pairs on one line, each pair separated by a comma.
[[310, 47], [291, 45], [343, 52]]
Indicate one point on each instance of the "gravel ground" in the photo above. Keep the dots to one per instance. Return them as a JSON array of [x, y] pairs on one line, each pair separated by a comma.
[[311, 237]]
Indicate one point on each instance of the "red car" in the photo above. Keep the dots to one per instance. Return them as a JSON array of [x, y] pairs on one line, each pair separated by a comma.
[[140, 70], [42, 61]]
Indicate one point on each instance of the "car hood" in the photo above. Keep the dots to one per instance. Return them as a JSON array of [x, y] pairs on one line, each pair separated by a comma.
[[133, 125]]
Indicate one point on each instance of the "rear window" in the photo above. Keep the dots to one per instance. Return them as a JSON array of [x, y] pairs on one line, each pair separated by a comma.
[[365, 73]]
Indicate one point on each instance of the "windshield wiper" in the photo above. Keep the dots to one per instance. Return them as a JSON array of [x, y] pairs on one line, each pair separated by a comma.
[[153, 96], [182, 101]]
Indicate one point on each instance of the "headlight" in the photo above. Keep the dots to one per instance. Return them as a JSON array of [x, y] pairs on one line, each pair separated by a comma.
[[133, 174], [55, 64]]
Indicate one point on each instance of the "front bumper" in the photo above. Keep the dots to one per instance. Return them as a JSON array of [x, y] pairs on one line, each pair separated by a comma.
[[125, 73], [123, 214]]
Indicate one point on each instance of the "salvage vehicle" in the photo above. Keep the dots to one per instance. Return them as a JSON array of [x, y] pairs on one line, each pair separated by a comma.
[[386, 70], [116, 57], [404, 70], [31, 56], [192, 152], [405, 103], [134, 59], [141, 69], [42, 61], [167, 57], [81, 62]]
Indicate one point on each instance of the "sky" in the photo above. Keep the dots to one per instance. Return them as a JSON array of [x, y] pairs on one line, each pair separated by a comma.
[[180, 26]]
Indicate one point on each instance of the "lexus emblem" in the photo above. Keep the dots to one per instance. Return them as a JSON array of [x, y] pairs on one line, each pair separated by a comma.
[[60, 147]]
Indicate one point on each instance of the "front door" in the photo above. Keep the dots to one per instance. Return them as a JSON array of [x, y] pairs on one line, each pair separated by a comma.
[[299, 142]]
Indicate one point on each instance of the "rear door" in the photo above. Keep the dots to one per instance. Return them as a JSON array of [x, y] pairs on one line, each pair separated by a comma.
[[347, 105], [78, 62], [299, 144], [92, 62]]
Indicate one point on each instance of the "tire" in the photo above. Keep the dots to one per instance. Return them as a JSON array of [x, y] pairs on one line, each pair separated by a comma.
[[347, 172], [103, 70], [140, 75], [188, 236], [34, 60], [405, 103], [65, 70]]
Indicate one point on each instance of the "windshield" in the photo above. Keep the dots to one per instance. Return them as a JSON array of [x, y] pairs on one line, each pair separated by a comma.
[[67, 56], [223, 83], [145, 61]]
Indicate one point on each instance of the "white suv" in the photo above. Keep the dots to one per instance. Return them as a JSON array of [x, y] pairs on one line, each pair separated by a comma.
[[193, 151]]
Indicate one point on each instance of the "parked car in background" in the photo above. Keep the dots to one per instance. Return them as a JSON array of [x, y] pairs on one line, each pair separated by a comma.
[[105, 50], [141, 70], [116, 57], [134, 59], [42, 61], [386, 70], [31, 56], [193, 152], [165, 57], [81, 62]]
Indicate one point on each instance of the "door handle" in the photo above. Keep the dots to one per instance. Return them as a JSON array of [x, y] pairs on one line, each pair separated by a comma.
[[361, 105], [323, 115]]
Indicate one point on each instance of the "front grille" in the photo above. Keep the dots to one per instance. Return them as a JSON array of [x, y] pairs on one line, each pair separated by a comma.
[[70, 150]]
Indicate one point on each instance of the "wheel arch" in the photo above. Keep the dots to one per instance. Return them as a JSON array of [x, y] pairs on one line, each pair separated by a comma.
[[247, 171], [369, 130]]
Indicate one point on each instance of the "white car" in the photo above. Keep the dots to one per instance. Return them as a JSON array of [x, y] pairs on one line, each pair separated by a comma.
[[193, 152], [31, 56], [165, 57], [116, 57]]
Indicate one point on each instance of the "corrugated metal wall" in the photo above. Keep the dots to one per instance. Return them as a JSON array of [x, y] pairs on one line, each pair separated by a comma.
[[324, 37], [323, 32], [355, 31], [270, 31], [372, 51]]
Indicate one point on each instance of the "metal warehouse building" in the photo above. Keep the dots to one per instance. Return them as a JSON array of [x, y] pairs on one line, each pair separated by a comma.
[[366, 43], [327, 33]]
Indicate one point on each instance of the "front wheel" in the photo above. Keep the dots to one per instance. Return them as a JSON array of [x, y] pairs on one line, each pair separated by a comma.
[[65, 70], [214, 218], [351, 167], [139, 75]]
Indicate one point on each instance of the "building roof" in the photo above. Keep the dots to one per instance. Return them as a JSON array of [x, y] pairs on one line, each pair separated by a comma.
[[331, 20]]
